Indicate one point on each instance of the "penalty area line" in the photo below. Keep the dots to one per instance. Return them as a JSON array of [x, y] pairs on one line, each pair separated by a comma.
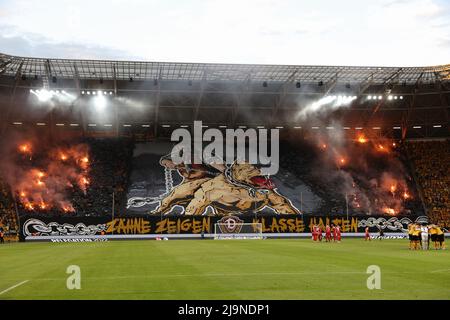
[[13, 287]]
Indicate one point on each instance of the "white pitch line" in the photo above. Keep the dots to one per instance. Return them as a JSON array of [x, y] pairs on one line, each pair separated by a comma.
[[14, 286], [440, 270]]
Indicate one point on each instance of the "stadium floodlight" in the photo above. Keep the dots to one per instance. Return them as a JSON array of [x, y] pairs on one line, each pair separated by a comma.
[[401, 97], [390, 97], [369, 98], [100, 102], [99, 93], [82, 92], [437, 126], [395, 97], [94, 93], [380, 97], [110, 93], [44, 95], [88, 92]]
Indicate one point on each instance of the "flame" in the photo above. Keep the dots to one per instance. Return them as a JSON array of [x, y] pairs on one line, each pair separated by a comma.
[[362, 139], [29, 206], [43, 205], [406, 195], [393, 188], [45, 188], [390, 211], [67, 207], [25, 148]]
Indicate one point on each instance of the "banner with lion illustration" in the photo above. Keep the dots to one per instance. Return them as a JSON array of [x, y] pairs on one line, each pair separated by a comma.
[[159, 186]]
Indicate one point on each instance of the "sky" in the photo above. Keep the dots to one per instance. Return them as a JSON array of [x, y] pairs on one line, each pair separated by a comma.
[[297, 32]]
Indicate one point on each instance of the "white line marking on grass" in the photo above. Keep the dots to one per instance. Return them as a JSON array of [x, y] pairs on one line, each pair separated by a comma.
[[13, 287], [441, 270]]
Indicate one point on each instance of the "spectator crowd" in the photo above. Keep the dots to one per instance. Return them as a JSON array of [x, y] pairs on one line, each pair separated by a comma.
[[431, 160]]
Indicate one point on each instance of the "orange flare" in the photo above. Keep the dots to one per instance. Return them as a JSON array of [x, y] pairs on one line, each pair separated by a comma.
[[362, 139]]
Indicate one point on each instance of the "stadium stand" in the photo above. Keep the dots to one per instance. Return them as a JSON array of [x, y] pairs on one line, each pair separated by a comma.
[[431, 160], [8, 216], [111, 164]]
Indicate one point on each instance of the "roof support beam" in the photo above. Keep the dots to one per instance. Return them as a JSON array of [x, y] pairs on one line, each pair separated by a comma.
[[115, 106], [11, 99], [394, 75], [78, 88], [245, 86], [157, 105], [282, 95], [198, 102], [407, 115], [365, 84]]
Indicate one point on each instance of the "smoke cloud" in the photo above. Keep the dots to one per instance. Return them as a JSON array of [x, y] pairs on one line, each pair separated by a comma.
[[41, 176]]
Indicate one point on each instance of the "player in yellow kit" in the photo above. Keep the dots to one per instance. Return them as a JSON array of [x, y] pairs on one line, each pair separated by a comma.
[[437, 236], [410, 236], [416, 233]]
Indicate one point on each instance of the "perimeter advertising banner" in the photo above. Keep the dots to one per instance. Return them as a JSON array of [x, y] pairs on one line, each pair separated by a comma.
[[36, 226]]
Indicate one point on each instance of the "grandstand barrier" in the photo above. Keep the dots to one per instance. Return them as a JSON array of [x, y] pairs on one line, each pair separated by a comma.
[[35, 227]]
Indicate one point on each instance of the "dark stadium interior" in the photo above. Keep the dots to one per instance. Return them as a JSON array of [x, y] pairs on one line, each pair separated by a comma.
[[149, 100]]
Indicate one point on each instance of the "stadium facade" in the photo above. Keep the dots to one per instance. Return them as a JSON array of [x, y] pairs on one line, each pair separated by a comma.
[[154, 97]]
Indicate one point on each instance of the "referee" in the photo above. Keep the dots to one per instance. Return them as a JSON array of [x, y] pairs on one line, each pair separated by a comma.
[[424, 235]]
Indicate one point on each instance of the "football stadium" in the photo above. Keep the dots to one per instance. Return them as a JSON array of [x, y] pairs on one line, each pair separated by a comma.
[[131, 179]]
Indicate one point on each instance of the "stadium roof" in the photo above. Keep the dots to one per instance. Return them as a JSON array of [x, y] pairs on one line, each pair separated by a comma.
[[139, 70]]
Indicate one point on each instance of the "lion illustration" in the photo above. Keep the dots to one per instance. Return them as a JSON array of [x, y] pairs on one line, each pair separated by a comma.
[[194, 175], [240, 189]]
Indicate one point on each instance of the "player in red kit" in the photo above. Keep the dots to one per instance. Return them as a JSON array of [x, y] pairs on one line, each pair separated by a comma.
[[337, 234], [319, 233], [316, 232], [367, 234], [327, 233], [313, 233]]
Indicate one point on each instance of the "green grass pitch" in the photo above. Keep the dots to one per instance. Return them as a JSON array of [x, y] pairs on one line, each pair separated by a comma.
[[227, 269]]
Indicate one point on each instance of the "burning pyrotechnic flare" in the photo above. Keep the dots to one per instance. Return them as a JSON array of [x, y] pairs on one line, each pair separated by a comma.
[[25, 148], [390, 211], [362, 139]]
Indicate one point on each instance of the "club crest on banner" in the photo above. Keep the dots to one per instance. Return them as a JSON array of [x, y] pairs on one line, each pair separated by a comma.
[[230, 224]]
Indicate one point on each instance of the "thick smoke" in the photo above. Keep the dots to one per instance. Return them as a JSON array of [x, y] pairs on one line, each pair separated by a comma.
[[41, 176], [366, 172]]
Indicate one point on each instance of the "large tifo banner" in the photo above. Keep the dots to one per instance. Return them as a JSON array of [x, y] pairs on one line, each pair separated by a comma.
[[159, 186], [35, 226]]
